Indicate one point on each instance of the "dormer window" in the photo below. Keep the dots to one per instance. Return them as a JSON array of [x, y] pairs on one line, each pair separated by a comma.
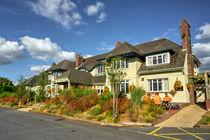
[[100, 69], [122, 64], [158, 59]]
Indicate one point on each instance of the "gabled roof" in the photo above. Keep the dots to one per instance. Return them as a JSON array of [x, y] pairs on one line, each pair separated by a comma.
[[77, 77], [63, 65], [90, 62], [33, 81]]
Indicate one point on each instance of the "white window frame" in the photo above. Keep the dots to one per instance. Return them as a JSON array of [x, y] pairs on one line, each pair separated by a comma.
[[124, 61], [100, 69], [162, 85], [162, 62], [125, 82]]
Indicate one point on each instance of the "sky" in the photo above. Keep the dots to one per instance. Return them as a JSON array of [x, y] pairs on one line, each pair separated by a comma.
[[36, 33]]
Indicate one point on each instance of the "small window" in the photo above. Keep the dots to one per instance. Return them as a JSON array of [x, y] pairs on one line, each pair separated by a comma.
[[124, 87], [160, 59], [158, 85], [154, 60]]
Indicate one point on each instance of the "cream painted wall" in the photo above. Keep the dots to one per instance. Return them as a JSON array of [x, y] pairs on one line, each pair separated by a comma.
[[181, 96]]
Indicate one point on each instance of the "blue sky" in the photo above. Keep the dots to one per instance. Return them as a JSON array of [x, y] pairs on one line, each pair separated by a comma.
[[35, 33]]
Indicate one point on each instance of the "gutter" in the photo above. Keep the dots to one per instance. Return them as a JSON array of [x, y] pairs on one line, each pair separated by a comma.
[[160, 71]]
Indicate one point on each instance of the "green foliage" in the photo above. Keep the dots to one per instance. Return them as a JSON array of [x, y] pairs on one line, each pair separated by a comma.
[[103, 98], [47, 106], [136, 96], [159, 109], [86, 91], [42, 84], [145, 113], [6, 94], [21, 87], [57, 103], [148, 119], [13, 104], [100, 118], [116, 120], [68, 113], [109, 116], [31, 94], [4, 88], [154, 115], [131, 110], [5, 82], [96, 111], [65, 92]]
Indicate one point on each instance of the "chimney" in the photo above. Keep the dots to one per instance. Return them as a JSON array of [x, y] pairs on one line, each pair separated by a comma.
[[118, 44], [186, 45], [79, 60], [53, 64]]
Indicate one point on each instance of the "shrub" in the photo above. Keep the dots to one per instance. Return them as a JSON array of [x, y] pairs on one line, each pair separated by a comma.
[[106, 90], [96, 111], [146, 107], [13, 104], [83, 103], [116, 120], [136, 96], [108, 105], [123, 104], [148, 119], [157, 108], [86, 91], [104, 97], [6, 94], [145, 113], [52, 100], [65, 92], [47, 106], [57, 102], [131, 110], [24, 99], [154, 115], [31, 94], [100, 118], [109, 116]]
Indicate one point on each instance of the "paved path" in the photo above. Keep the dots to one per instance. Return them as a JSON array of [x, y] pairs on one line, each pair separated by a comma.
[[19, 125], [187, 117]]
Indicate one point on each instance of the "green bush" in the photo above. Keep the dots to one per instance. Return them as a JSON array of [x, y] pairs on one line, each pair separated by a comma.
[[49, 111], [148, 119], [13, 104], [116, 120], [109, 116], [145, 113], [103, 98], [136, 96], [96, 111], [6, 88], [154, 115], [86, 91], [131, 110], [6, 94], [47, 106], [100, 118], [65, 92], [157, 108], [57, 102]]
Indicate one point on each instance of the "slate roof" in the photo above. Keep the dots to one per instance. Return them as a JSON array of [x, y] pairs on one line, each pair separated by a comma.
[[90, 62], [33, 81], [63, 65]]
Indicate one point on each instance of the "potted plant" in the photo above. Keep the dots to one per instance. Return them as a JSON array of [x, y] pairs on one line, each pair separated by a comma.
[[173, 92], [178, 86]]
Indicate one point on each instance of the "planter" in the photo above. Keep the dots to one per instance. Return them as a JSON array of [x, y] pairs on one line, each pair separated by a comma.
[[179, 89]]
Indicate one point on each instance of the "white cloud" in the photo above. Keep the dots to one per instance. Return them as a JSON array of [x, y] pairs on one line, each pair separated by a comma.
[[101, 17], [168, 34], [94, 9], [10, 51], [88, 55], [44, 49], [205, 33], [63, 12], [38, 69], [105, 47]]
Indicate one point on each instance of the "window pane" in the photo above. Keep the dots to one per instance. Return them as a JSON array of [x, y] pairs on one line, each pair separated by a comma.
[[118, 64], [166, 84], [154, 85], [154, 60], [165, 58], [160, 59], [127, 85], [122, 63], [122, 87], [160, 84], [150, 60], [126, 63]]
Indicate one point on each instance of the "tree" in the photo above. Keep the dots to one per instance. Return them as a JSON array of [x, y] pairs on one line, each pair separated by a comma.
[[115, 76], [21, 86], [5, 82], [42, 83]]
